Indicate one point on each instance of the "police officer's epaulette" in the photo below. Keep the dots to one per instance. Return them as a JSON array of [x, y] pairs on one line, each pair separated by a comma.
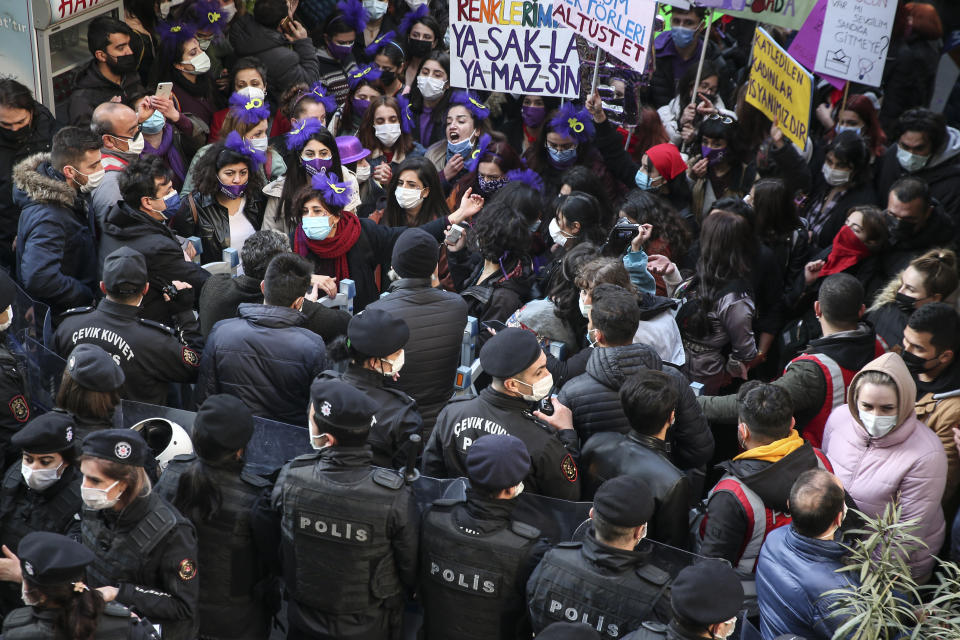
[[18, 618], [116, 609], [524, 530], [305, 460], [388, 478], [444, 503], [184, 457], [568, 545], [157, 325], [655, 627], [76, 310], [463, 398], [653, 574], [254, 480]]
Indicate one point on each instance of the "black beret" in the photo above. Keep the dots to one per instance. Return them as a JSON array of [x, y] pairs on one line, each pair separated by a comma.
[[568, 631], [93, 368], [707, 593], [51, 432], [415, 254], [509, 352], [8, 290], [125, 271], [50, 559], [498, 461], [117, 445], [338, 404], [376, 333], [225, 420], [624, 501]]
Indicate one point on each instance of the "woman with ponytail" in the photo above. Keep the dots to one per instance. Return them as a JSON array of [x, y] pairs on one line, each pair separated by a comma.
[[60, 605]]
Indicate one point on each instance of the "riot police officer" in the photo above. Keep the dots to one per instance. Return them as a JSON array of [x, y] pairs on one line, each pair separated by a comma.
[[518, 366], [146, 552], [89, 389], [349, 530], [211, 488], [150, 354], [59, 603], [42, 491], [14, 405], [706, 599], [604, 581], [475, 559]]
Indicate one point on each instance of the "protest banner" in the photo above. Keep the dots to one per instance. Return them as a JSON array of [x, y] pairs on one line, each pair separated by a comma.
[[855, 40], [805, 43], [512, 46], [780, 87], [620, 27], [789, 14]]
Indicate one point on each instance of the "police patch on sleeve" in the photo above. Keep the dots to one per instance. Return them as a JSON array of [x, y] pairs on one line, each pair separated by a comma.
[[188, 569], [190, 357], [569, 468], [20, 408]]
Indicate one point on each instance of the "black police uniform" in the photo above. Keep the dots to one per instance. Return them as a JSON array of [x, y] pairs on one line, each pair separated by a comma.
[[234, 601], [553, 453], [115, 623], [149, 353], [15, 409]]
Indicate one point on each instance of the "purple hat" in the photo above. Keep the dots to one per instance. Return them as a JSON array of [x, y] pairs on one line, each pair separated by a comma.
[[351, 149]]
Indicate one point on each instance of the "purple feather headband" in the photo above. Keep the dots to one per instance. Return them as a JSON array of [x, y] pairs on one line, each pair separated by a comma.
[[368, 73], [302, 130], [237, 143], [353, 15], [571, 123], [210, 17], [248, 110], [173, 33], [528, 177], [411, 19], [406, 114], [322, 95], [336, 194], [380, 41], [481, 149], [470, 101]]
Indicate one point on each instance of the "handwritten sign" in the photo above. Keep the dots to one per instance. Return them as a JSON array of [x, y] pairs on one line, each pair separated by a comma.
[[789, 14], [512, 46], [855, 39], [619, 27], [805, 43], [66, 8], [780, 87]]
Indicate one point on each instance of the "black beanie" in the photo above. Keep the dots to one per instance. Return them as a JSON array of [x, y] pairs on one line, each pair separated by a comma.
[[415, 254]]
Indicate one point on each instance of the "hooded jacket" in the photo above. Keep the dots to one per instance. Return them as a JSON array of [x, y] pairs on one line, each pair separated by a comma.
[[594, 399], [941, 173], [287, 63], [56, 255], [91, 89], [938, 406], [908, 462]]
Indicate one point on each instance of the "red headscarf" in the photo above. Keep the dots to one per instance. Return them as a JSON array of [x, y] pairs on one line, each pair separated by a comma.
[[666, 160], [335, 248], [847, 251]]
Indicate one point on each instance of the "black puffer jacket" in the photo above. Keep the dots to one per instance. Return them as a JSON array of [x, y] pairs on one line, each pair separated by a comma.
[[91, 89], [595, 401], [436, 319], [287, 63]]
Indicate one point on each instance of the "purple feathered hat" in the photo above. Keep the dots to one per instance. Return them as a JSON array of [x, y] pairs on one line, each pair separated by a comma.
[[335, 193], [411, 19], [353, 14], [324, 96], [239, 144], [210, 17], [406, 114], [471, 102], [573, 123], [173, 33], [528, 177], [369, 73], [302, 130], [380, 41], [482, 146], [248, 110]]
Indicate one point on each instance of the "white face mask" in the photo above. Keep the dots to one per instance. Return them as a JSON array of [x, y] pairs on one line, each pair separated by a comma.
[[97, 499], [395, 365], [732, 624], [27, 600], [877, 426], [229, 10], [539, 389], [556, 234], [387, 133], [413, 4], [519, 490], [430, 87], [260, 144], [314, 439], [93, 180], [375, 8], [408, 198], [39, 479], [135, 146], [363, 173], [254, 93], [6, 325], [584, 307], [836, 177], [200, 62]]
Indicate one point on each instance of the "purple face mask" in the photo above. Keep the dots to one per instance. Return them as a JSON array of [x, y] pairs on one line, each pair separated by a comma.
[[313, 166], [339, 51], [360, 106], [533, 117], [712, 155], [233, 191]]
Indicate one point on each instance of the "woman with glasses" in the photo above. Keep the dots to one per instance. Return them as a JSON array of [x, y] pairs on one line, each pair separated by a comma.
[[719, 166]]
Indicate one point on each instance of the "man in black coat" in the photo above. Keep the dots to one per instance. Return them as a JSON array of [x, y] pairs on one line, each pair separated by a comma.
[[594, 396], [436, 319], [138, 222], [26, 128]]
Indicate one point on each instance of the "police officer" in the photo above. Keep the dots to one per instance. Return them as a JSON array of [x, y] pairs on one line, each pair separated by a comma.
[[41, 492], [568, 631], [90, 388], [706, 599], [146, 552], [211, 489], [374, 349], [605, 580], [150, 354], [14, 406], [349, 530], [518, 366], [475, 559], [59, 602]]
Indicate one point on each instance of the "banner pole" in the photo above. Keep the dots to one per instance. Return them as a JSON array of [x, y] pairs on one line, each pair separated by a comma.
[[703, 56], [843, 103], [596, 70]]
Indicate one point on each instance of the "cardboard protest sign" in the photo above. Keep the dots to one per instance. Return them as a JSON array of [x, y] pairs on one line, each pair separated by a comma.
[[805, 43], [789, 14], [512, 46], [620, 27], [780, 87], [855, 39]]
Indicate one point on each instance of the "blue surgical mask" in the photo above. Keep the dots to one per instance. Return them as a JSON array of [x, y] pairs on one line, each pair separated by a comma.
[[910, 161], [316, 227], [840, 129], [172, 204], [453, 148], [562, 159], [683, 36], [643, 181], [154, 124]]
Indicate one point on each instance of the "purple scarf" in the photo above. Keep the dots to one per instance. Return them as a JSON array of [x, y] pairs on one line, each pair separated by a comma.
[[426, 125], [170, 155]]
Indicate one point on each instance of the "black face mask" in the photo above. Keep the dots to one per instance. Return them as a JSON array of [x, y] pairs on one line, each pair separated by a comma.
[[122, 64], [387, 78], [20, 136], [419, 48], [905, 303], [915, 364]]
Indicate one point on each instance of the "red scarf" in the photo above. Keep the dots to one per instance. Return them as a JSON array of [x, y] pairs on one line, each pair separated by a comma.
[[847, 251], [335, 248]]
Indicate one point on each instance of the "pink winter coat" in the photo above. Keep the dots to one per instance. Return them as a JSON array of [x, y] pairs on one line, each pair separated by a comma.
[[910, 460]]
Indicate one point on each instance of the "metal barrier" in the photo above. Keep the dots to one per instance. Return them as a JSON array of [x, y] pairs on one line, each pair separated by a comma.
[[344, 298]]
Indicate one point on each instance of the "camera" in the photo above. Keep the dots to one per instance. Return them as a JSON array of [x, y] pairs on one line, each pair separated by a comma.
[[619, 239]]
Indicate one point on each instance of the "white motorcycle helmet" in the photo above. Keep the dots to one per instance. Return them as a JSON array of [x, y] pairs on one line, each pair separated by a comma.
[[166, 439]]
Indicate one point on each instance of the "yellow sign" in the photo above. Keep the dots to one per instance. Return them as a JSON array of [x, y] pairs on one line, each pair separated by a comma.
[[780, 88]]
